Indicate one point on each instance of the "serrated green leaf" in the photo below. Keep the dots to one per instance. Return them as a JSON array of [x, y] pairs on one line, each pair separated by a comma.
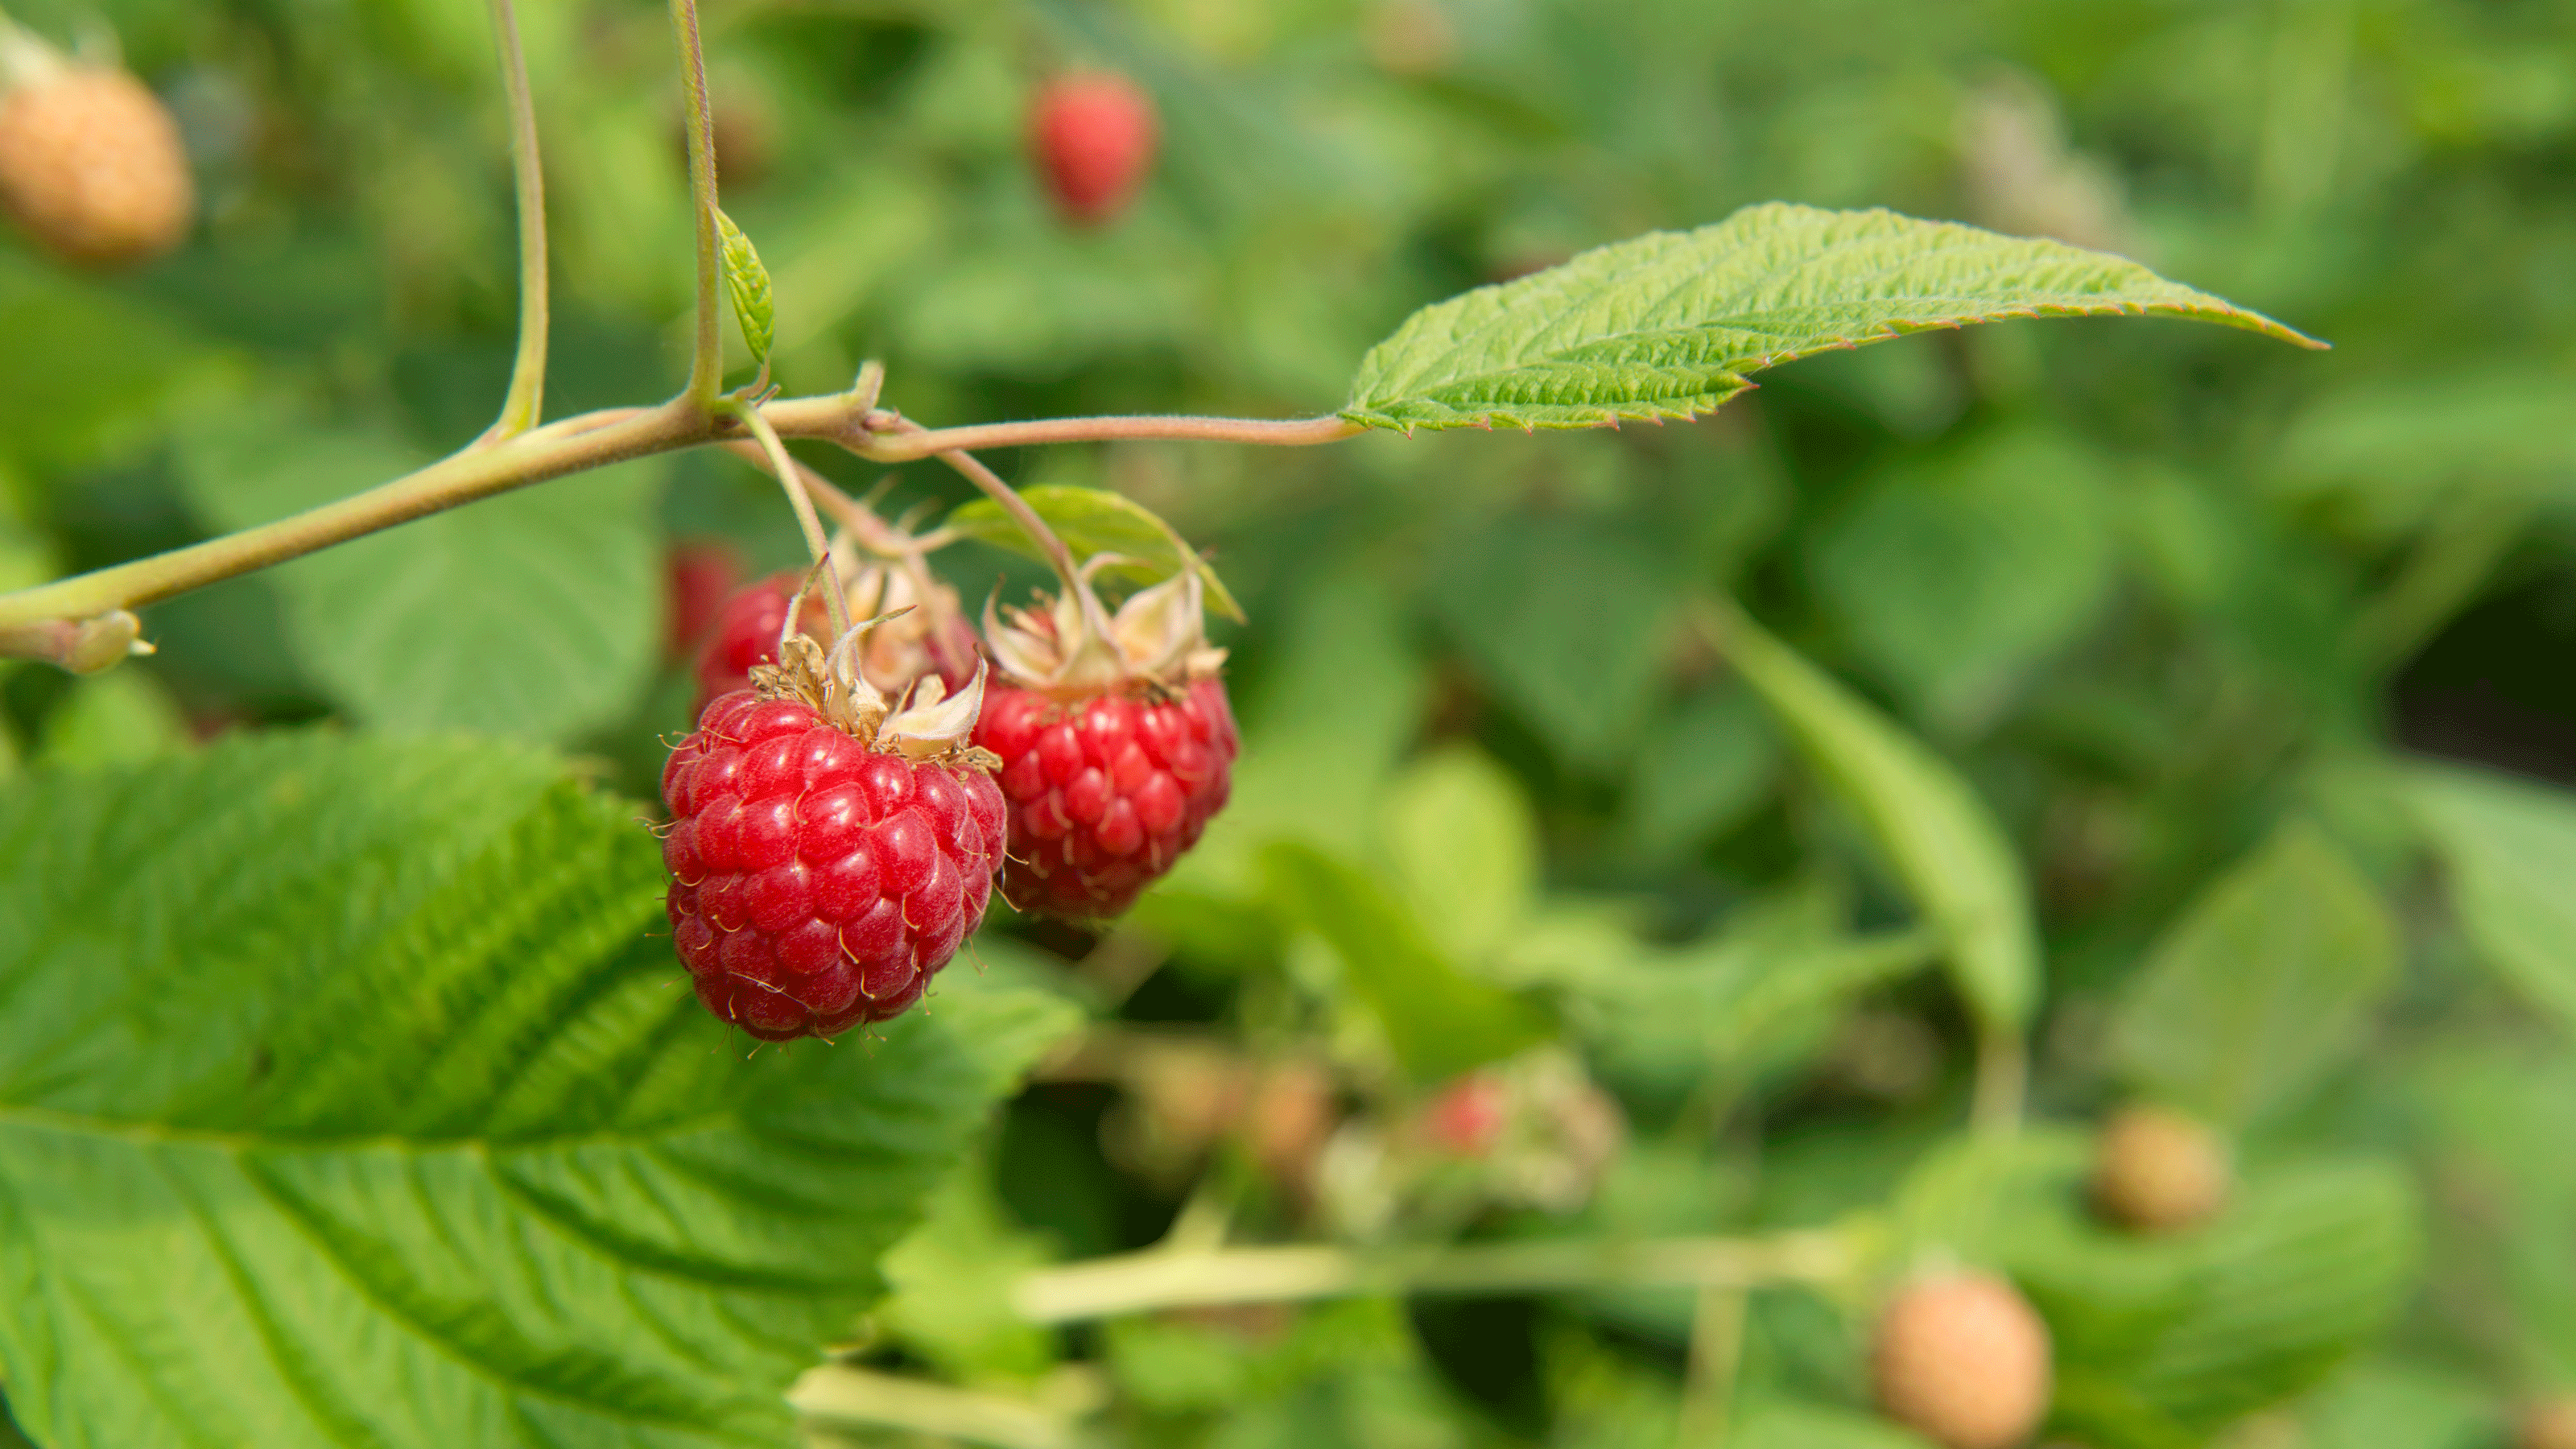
[[1439, 1021], [536, 614], [1667, 325], [1941, 842], [2262, 983], [755, 311], [1095, 521], [2160, 1341], [350, 1094], [2510, 849]]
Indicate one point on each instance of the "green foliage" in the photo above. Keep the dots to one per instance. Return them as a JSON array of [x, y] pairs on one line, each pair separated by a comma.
[[1093, 522], [2163, 1345], [755, 311], [534, 615], [1957, 578], [336, 1065], [1668, 324], [1928, 826], [2261, 985], [2508, 848], [2150, 592], [1439, 1021]]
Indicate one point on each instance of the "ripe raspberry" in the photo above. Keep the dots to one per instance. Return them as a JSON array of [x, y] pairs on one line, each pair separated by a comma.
[[90, 161], [1094, 137], [934, 637], [1106, 790], [700, 576], [2156, 1171], [827, 856], [1962, 1358]]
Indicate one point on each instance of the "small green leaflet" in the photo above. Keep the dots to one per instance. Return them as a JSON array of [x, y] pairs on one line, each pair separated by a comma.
[[1668, 324], [1094, 521], [748, 281]]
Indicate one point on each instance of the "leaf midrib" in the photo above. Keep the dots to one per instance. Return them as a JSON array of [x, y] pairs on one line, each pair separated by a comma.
[[153, 1134]]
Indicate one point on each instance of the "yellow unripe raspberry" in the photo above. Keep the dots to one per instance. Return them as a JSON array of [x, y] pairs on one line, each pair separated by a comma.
[[91, 166], [1962, 1359], [2157, 1171]]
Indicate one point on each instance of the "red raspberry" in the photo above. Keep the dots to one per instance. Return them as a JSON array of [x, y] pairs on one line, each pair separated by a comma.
[[932, 638], [746, 633], [818, 883], [1105, 791], [699, 576], [1094, 137]]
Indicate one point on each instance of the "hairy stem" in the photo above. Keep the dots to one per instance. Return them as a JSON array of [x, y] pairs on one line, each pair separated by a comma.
[[461, 478], [568, 445], [706, 358], [1059, 557], [1162, 1278], [792, 478], [526, 401], [911, 441]]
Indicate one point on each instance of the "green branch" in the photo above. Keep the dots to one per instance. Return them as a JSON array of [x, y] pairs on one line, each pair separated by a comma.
[[706, 358], [526, 401], [1160, 1278]]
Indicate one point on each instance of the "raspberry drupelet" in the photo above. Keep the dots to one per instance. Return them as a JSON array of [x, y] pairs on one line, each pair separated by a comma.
[[828, 855], [1116, 740]]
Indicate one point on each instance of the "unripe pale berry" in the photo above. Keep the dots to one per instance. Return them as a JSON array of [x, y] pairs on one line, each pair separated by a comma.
[[2548, 1423], [817, 882], [91, 166], [1093, 136], [2157, 1171], [1963, 1359]]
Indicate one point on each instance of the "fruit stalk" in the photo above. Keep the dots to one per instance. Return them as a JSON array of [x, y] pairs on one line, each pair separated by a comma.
[[792, 478]]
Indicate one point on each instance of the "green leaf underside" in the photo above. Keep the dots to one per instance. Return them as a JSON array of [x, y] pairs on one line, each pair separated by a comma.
[[2261, 985], [2509, 849], [747, 281], [1936, 837], [1094, 521], [1667, 325], [349, 1094]]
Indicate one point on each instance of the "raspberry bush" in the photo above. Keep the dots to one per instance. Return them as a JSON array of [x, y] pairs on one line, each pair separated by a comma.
[[2004, 888]]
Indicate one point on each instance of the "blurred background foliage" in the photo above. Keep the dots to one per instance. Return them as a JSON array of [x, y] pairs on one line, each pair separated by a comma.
[[2187, 609]]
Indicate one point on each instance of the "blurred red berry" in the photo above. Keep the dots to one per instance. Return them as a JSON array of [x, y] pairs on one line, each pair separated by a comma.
[[1469, 1115], [699, 574], [1094, 136]]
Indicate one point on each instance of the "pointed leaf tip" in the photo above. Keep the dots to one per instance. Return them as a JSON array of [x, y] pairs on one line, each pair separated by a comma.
[[1667, 325]]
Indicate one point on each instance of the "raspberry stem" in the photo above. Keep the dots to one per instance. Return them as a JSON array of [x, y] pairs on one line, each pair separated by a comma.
[[525, 403], [706, 358], [792, 478], [1161, 1278]]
